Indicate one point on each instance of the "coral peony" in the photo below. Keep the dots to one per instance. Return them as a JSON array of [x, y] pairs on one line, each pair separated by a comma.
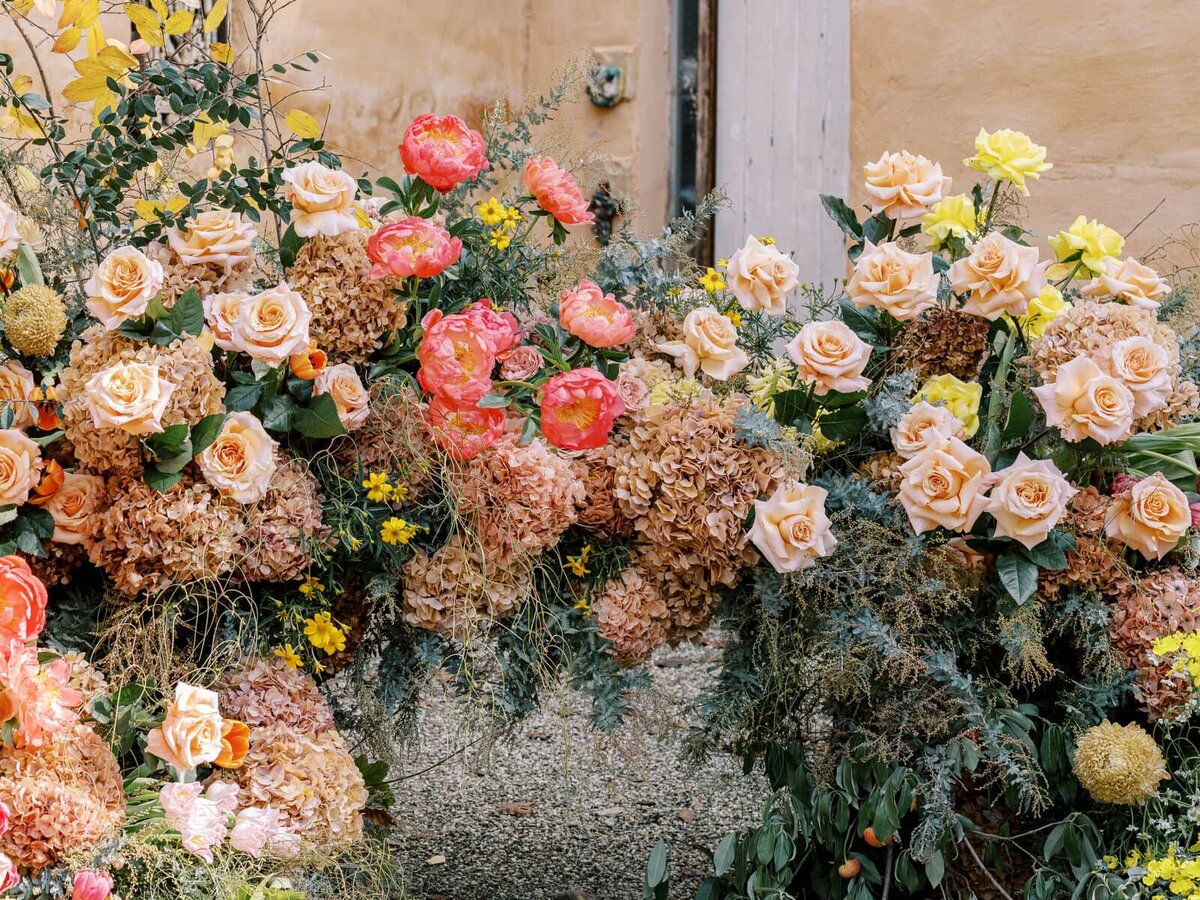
[[463, 431], [91, 884], [22, 604], [579, 409], [9, 877], [556, 191], [442, 151], [500, 329], [412, 246], [41, 695], [596, 318], [456, 358]]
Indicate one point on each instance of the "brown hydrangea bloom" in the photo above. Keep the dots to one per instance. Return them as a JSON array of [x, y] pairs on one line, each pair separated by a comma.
[[690, 593], [351, 312], [185, 363], [631, 614], [450, 590], [311, 779], [943, 341], [60, 564], [283, 528], [1159, 604], [393, 441], [883, 471], [146, 540], [600, 513], [266, 692], [1097, 564], [179, 277], [518, 500]]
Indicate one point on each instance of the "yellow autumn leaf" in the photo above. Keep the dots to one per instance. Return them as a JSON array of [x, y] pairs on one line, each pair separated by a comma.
[[180, 21], [89, 14], [22, 84], [216, 16], [147, 209], [160, 7], [70, 13], [146, 23], [96, 39], [303, 125], [68, 40], [222, 53]]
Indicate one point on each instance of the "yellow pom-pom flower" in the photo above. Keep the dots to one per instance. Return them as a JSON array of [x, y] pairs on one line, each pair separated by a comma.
[[1008, 155], [1094, 242], [960, 397], [1119, 763], [35, 318]]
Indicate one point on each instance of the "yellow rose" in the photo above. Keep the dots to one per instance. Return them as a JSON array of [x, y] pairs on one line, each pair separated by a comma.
[[273, 325], [1028, 499], [342, 383], [217, 237], [241, 461], [190, 734], [761, 277], [1151, 517], [902, 283], [960, 397], [73, 505], [903, 185], [1000, 276], [16, 387], [130, 396], [952, 217], [20, 466], [1128, 280], [1008, 155], [1094, 242], [322, 199], [943, 486], [122, 286], [1043, 309], [709, 344], [791, 529], [921, 425], [1084, 402], [831, 356]]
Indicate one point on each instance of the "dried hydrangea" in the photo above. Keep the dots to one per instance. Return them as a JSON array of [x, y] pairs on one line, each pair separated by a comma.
[[631, 615], [60, 564], [351, 312], [284, 527], [943, 342], [393, 441], [1097, 564], [1119, 763], [179, 277], [599, 512], [449, 590], [269, 692]]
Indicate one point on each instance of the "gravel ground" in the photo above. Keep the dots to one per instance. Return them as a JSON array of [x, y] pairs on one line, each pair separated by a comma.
[[559, 812]]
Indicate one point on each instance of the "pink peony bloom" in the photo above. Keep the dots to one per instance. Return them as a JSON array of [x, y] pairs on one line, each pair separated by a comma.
[[1195, 508], [22, 604], [596, 318], [91, 884], [1122, 481], [500, 329], [41, 697], [556, 191], [456, 358], [464, 431], [8, 873], [202, 822], [520, 363], [579, 408], [260, 829], [412, 246], [442, 151]]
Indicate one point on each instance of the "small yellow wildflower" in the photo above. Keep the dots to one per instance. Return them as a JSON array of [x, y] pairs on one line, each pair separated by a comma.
[[734, 316], [712, 281], [311, 586], [766, 241], [577, 565], [512, 216], [289, 656], [491, 212], [318, 666], [674, 292], [584, 607], [722, 264], [500, 239], [378, 489], [1110, 861], [399, 492], [323, 634], [397, 531]]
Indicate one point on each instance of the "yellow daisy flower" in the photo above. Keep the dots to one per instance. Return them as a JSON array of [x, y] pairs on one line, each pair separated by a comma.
[[289, 656]]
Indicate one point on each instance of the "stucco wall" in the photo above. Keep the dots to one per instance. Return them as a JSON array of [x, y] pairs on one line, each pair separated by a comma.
[[1112, 88]]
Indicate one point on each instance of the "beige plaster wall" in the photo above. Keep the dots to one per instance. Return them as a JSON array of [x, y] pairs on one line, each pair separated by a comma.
[[1111, 87]]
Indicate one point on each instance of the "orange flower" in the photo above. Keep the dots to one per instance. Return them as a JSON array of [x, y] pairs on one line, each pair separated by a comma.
[[46, 401], [235, 743], [52, 479], [309, 364], [8, 278]]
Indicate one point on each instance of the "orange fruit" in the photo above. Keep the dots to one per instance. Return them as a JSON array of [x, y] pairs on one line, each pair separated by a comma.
[[849, 868]]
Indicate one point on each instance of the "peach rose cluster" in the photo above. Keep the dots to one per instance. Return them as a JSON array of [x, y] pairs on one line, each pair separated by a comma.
[[272, 325], [556, 192], [350, 396], [761, 277], [20, 466], [193, 732], [239, 463], [900, 283], [999, 277], [322, 199], [17, 389], [596, 318], [922, 424], [442, 151], [1150, 517], [122, 286], [831, 357], [215, 237], [709, 345], [412, 246], [791, 529], [1127, 280], [74, 505], [904, 186]]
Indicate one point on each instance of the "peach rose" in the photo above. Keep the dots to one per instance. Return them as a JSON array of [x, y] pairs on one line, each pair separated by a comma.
[[596, 318], [709, 344], [322, 199], [1145, 368], [190, 734], [761, 277], [214, 238], [16, 392], [131, 396], [241, 461], [1128, 280], [521, 363], [557, 192], [273, 325], [342, 383], [1028, 499], [831, 356], [901, 283], [1151, 517], [791, 529], [122, 286], [943, 485], [20, 466], [903, 185], [73, 505], [221, 314], [1083, 402], [924, 420], [1000, 276]]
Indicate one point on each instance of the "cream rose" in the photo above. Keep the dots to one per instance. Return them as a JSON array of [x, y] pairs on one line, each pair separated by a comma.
[[214, 238], [943, 485], [16, 389], [791, 529], [709, 344], [322, 199], [1083, 402], [761, 277], [10, 235], [923, 422], [1000, 276], [1151, 517], [903, 185], [122, 286], [1145, 368], [221, 314], [1128, 280], [131, 396], [74, 505], [831, 356], [342, 383], [1028, 499], [190, 734], [20, 466], [273, 325], [902, 283], [241, 461]]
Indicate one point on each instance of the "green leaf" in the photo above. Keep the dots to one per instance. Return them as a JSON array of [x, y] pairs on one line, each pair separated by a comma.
[[843, 216], [863, 322], [1051, 554], [242, 397], [319, 419], [289, 247], [842, 424], [1018, 574], [935, 868], [187, 315], [168, 442], [877, 228], [280, 413], [726, 853], [493, 401], [28, 268], [790, 405], [206, 431], [1020, 415], [161, 481]]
